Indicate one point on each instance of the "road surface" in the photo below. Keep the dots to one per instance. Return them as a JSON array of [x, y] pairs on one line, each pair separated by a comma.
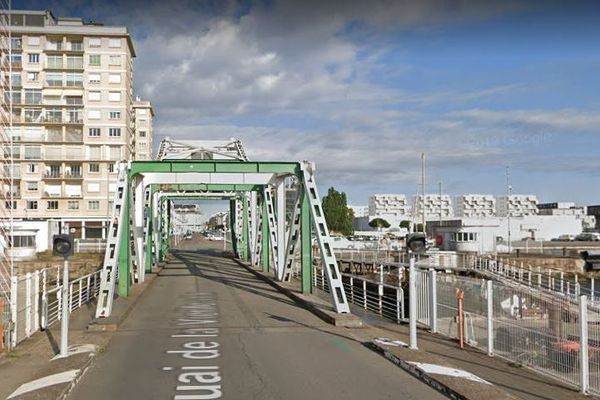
[[208, 329]]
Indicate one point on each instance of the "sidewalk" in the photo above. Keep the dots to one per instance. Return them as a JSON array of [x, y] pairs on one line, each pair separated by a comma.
[[520, 382], [32, 360]]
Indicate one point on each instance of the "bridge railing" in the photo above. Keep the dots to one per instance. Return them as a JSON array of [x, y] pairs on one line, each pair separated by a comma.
[[36, 303]]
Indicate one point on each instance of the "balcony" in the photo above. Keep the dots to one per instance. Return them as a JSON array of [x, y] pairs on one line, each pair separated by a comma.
[[53, 175], [73, 175]]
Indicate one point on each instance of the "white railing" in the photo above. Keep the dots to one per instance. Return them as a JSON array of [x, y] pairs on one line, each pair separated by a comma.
[[36, 303]]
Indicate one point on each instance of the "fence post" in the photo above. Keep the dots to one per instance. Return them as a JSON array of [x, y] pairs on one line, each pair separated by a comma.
[[28, 313], [36, 298], [44, 313], [14, 285], [364, 287], [433, 300], [351, 289], [583, 354], [490, 318], [380, 289], [592, 290], [412, 306]]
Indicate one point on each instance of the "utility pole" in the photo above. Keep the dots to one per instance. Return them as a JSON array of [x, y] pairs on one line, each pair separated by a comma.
[[508, 194]]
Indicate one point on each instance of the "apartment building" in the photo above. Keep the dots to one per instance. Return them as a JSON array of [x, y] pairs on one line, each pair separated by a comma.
[[72, 121], [434, 206], [517, 205], [144, 115], [474, 206], [392, 207]]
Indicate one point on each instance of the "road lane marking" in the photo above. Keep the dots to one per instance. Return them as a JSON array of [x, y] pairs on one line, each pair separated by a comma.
[[447, 371], [196, 320], [50, 380]]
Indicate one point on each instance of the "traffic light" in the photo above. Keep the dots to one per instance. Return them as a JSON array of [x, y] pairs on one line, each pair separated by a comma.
[[416, 243], [62, 245]]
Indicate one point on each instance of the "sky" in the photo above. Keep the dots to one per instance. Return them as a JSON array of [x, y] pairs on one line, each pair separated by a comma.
[[362, 88]]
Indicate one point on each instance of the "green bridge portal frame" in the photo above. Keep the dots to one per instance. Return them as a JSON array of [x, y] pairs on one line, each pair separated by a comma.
[[262, 233]]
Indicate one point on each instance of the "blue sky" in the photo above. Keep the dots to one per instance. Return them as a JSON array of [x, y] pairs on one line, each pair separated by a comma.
[[362, 88]]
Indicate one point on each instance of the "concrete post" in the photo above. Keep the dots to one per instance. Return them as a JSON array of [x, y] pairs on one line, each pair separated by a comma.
[[412, 298], [584, 378]]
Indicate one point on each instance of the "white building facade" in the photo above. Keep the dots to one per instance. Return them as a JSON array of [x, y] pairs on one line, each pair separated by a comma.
[[434, 206], [517, 205], [394, 208], [475, 206]]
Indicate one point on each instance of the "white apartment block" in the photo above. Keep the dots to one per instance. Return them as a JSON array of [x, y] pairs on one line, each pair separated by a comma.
[[517, 205], [72, 117], [144, 115], [475, 206], [360, 211], [435, 207], [392, 207]]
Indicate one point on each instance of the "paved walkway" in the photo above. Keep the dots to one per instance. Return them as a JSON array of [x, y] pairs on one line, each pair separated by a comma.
[[207, 327]]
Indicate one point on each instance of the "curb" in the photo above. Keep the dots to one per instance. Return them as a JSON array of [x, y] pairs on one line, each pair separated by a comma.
[[329, 316], [417, 373]]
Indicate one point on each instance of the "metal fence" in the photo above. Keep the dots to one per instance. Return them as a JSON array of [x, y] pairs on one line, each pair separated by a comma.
[[555, 334], [36, 302]]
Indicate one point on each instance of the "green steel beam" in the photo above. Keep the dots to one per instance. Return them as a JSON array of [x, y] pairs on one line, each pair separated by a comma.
[[224, 166], [210, 187], [125, 248], [306, 246], [232, 216]]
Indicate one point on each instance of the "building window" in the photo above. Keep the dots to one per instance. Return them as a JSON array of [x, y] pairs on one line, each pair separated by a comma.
[[23, 241], [32, 168], [74, 80], [94, 96], [94, 205], [114, 132], [31, 186], [115, 43], [54, 79], [33, 76], [114, 96], [115, 115], [34, 58], [95, 42], [111, 168], [142, 133], [10, 206], [94, 60], [53, 205], [94, 78], [54, 62], [74, 62], [94, 132], [94, 167], [72, 205], [75, 46], [114, 78], [32, 204], [33, 96], [115, 60]]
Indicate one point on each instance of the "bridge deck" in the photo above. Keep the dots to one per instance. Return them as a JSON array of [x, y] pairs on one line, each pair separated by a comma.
[[265, 347]]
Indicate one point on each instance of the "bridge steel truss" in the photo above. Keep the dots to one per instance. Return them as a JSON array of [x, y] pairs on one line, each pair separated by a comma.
[[261, 232]]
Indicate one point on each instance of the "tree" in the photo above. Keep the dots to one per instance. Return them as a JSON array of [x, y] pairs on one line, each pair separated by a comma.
[[338, 215], [379, 223], [405, 224]]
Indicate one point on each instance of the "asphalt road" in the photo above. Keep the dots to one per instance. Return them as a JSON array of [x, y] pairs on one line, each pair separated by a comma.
[[208, 329]]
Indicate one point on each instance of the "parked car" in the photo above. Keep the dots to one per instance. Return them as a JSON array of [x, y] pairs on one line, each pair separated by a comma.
[[588, 237]]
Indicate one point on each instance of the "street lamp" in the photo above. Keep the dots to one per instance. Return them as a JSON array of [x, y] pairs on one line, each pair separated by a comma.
[[416, 243]]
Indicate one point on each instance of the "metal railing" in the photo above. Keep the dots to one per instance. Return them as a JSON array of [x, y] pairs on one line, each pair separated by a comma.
[[554, 333], [36, 303]]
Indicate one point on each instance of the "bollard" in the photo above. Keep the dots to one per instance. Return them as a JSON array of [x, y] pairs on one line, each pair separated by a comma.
[[460, 296]]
